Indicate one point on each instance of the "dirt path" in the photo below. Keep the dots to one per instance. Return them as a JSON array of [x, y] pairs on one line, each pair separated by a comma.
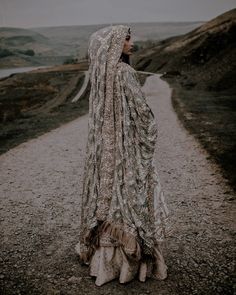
[[40, 195]]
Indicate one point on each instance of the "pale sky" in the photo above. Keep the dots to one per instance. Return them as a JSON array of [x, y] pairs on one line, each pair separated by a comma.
[[42, 13]]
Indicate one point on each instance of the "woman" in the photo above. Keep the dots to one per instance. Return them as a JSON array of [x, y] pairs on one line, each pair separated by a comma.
[[124, 215]]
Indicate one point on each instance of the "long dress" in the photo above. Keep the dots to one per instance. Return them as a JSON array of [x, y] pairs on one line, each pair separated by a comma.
[[124, 218]]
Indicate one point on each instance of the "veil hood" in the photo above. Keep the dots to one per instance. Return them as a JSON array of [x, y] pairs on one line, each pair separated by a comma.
[[105, 48], [107, 42]]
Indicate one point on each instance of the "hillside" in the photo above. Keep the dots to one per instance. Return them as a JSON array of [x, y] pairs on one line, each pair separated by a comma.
[[201, 69], [34, 102], [77, 36], [54, 45], [24, 47], [203, 58]]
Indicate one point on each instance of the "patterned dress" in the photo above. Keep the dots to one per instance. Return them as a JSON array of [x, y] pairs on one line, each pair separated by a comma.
[[124, 218]]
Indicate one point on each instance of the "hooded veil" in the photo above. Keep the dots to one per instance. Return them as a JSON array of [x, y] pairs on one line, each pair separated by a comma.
[[124, 217]]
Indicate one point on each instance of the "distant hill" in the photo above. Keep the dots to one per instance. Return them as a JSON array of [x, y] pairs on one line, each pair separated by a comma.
[[24, 47], [203, 58], [141, 31], [77, 36], [17, 44]]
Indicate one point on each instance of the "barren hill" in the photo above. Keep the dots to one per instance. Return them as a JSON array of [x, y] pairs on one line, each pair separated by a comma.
[[204, 57]]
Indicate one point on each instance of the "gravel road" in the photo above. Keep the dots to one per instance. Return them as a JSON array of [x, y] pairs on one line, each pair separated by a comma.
[[40, 206]]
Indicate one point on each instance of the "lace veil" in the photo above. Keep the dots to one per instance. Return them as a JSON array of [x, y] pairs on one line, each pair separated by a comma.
[[105, 48]]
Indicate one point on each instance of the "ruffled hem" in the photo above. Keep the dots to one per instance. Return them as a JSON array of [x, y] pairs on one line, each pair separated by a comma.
[[112, 253], [109, 263]]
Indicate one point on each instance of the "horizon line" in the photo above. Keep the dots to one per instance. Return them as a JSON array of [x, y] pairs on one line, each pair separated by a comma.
[[146, 22]]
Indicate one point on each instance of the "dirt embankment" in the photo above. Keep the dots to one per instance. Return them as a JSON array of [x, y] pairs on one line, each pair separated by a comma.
[[35, 102]]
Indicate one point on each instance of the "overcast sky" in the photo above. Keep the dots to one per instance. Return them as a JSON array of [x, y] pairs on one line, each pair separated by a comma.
[[41, 13]]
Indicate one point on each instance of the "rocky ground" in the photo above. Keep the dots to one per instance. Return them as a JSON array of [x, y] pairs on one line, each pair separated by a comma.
[[40, 207]]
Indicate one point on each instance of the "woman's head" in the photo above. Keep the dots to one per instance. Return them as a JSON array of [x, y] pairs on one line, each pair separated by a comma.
[[127, 48], [128, 44]]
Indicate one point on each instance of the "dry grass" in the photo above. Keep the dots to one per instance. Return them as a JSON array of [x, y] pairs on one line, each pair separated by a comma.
[[211, 118], [24, 95]]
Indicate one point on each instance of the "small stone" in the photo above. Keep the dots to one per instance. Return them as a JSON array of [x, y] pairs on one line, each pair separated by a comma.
[[74, 280]]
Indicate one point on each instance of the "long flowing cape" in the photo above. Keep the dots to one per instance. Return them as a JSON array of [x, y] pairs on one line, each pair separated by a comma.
[[123, 203]]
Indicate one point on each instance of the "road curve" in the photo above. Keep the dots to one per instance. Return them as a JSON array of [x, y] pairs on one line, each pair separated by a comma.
[[41, 183]]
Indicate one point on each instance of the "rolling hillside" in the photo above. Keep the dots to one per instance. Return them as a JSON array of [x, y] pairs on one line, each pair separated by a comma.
[[54, 45], [23, 47], [204, 58]]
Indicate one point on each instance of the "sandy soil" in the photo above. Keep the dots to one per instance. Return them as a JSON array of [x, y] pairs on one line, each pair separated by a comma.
[[40, 206]]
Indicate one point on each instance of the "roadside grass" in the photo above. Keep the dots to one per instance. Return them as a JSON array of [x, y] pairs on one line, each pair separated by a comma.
[[210, 117], [21, 124]]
